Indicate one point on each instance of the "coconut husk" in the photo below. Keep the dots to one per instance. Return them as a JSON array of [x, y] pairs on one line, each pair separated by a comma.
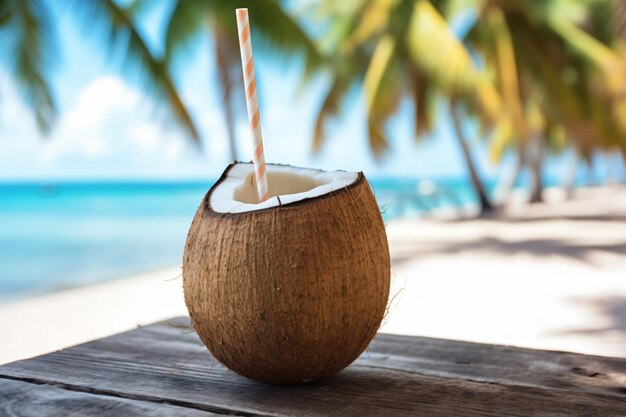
[[291, 293]]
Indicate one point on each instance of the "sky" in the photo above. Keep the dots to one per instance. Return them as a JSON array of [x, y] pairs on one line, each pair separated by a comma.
[[107, 127]]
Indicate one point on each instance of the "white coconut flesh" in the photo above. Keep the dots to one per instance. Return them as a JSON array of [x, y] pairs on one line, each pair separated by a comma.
[[237, 193]]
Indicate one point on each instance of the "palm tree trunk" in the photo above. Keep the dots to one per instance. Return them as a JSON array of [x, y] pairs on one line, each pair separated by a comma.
[[485, 205], [536, 165], [509, 186], [223, 49], [570, 175]]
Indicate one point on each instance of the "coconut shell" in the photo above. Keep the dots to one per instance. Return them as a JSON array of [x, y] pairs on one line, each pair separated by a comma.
[[292, 293]]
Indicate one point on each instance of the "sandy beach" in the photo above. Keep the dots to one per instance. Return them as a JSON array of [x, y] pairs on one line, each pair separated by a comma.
[[550, 276]]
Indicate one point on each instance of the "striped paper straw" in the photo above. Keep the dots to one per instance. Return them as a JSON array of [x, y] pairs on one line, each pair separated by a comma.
[[247, 63]]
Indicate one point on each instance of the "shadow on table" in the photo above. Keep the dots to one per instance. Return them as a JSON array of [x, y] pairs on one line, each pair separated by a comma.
[[355, 389]]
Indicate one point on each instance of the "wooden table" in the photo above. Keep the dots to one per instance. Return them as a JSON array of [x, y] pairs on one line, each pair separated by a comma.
[[164, 370]]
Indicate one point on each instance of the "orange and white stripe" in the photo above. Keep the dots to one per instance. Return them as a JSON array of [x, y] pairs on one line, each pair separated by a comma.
[[247, 63]]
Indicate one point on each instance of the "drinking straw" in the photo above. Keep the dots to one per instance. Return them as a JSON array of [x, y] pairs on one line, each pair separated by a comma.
[[247, 63]]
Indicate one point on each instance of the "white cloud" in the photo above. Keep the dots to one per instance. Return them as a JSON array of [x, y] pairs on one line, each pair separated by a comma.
[[101, 98], [110, 131], [145, 135]]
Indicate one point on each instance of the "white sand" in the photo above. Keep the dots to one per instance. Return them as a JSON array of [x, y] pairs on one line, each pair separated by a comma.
[[548, 282], [66, 318], [554, 281]]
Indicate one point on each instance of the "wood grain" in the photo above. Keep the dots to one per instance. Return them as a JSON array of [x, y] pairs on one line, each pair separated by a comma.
[[499, 364], [397, 376], [22, 399]]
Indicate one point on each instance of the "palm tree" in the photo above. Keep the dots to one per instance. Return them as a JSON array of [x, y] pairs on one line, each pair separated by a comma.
[[554, 76], [405, 49], [28, 35], [274, 31]]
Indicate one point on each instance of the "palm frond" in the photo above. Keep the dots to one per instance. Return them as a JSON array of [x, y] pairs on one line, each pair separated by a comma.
[[331, 105], [136, 8], [602, 55], [507, 72], [381, 58], [28, 37], [501, 139], [387, 94], [339, 21], [583, 42], [619, 18], [280, 32], [434, 48], [5, 12], [423, 98], [454, 8], [346, 68], [383, 109], [275, 31], [374, 20], [113, 23], [185, 22]]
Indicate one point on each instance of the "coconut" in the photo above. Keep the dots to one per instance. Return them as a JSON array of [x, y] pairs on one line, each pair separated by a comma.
[[292, 289]]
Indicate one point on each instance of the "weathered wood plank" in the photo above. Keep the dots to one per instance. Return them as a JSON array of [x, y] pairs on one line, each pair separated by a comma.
[[22, 399], [356, 391], [434, 357], [500, 364], [397, 376]]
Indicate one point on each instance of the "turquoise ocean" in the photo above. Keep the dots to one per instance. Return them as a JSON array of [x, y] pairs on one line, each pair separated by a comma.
[[65, 235]]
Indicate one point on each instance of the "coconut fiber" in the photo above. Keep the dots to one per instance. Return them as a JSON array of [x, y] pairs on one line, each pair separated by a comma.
[[292, 293]]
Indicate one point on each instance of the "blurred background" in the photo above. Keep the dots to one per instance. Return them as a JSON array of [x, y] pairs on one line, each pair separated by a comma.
[[493, 133]]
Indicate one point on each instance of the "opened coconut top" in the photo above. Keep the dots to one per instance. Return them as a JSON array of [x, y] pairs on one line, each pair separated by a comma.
[[236, 191]]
